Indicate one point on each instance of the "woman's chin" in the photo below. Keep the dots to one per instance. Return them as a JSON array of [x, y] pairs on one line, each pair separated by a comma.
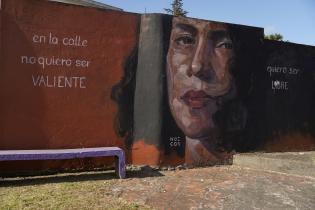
[[196, 133]]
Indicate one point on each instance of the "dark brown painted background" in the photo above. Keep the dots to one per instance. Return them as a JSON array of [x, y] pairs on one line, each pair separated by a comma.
[[44, 118], [283, 119]]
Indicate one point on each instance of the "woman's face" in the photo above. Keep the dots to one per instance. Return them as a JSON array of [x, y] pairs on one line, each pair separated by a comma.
[[198, 73]]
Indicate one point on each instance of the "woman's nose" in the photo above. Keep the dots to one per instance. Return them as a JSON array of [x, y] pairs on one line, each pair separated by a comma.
[[201, 63], [198, 62]]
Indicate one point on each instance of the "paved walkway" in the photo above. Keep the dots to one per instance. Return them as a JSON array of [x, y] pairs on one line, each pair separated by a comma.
[[225, 187], [298, 163]]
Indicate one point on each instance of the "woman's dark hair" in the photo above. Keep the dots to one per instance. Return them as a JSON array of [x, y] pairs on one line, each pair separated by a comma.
[[123, 94], [235, 114]]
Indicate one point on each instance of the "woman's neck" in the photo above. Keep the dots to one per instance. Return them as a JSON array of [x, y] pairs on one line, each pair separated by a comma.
[[203, 151]]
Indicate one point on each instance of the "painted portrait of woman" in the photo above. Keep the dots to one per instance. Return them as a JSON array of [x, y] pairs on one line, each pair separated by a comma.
[[206, 82], [199, 79]]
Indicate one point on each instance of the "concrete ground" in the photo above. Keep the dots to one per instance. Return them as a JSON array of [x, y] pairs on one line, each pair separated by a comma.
[[298, 163], [226, 187]]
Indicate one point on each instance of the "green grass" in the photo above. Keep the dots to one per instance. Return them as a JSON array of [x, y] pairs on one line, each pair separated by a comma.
[[65, 192]]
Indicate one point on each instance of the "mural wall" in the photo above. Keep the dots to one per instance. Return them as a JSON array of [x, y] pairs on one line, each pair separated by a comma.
[[59, 64], [283, 99], [168, 90], [192, 86]]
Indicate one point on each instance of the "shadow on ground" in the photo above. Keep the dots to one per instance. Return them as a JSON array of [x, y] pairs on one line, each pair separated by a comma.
[[49, 178]]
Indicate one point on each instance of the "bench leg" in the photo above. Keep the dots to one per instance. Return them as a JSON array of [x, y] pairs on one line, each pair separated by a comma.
[[120, 165]]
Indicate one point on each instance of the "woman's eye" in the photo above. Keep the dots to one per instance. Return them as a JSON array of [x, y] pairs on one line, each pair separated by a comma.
[[226, 45], [185, 40]]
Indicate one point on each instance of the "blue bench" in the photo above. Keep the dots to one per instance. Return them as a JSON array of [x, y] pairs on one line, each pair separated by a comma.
[[60, 154]]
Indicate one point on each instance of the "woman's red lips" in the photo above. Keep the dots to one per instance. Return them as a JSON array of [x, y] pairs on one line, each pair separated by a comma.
[[196, 99]]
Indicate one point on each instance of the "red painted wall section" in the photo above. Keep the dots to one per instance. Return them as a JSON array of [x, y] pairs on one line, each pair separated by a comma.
[[58, 66]]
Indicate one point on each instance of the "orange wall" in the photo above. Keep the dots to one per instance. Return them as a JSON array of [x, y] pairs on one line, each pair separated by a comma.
[[35, 116]]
